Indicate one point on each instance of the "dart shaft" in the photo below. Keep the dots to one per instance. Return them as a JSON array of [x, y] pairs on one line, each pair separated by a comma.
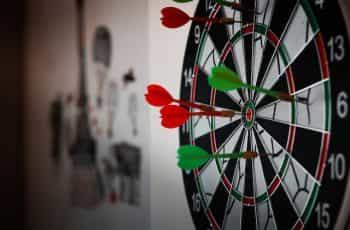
[[193, 105], [216, 20], [280, 95], [245, 155], [224, 113], [228, 155], [262, 90]]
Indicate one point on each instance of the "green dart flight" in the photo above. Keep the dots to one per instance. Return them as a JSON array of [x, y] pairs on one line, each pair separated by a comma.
[[224, 79], [191, 157]]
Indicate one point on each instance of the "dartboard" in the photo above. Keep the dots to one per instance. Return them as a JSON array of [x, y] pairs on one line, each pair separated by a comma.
[[299, 47]]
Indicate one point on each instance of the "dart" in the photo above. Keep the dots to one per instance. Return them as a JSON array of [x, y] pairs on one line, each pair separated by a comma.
[[233, 5], [224, 79], [174, 116], [191, 157], [158, 96], [173, 17]]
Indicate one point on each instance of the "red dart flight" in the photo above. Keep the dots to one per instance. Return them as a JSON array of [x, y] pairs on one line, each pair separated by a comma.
[[158, 96], [173, 116], [174, 17]]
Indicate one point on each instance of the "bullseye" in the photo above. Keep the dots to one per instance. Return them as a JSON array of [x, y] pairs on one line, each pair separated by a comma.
[[248, 112]]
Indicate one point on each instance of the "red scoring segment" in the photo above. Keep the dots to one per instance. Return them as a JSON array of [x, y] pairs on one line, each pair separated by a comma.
[[249, 115]]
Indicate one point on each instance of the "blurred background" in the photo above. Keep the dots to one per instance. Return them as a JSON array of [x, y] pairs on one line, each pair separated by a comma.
[[126, 48]]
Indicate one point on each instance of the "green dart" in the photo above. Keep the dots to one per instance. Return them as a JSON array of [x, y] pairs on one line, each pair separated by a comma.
[[224, 79], [191, 157]]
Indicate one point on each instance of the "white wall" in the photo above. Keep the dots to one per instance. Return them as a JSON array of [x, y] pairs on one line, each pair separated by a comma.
[[167, 47], [52, 66]]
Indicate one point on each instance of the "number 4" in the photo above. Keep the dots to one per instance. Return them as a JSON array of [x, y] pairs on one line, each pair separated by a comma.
[[209, 5]]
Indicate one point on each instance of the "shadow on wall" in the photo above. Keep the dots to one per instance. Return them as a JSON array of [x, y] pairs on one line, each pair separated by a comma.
[[12, 189]]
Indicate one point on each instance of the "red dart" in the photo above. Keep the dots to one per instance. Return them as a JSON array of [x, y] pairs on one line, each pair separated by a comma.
[[174, 116], [158, 96], [173, 17]]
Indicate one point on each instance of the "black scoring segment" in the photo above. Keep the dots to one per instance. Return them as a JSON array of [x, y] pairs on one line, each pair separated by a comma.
[[203, 90], [277, 130], [307, 149]]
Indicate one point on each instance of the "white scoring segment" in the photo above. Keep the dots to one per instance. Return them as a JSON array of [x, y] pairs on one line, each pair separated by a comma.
[[229, 145], [299, 25], [260, 184], [238, 54], [233, 214], [203, 125], [273, 146], [313, 114], [299, 185], [234, 207], [266, 8], [209, 179], [310, 116], [210, 56], [266, 219], [279, 110]]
